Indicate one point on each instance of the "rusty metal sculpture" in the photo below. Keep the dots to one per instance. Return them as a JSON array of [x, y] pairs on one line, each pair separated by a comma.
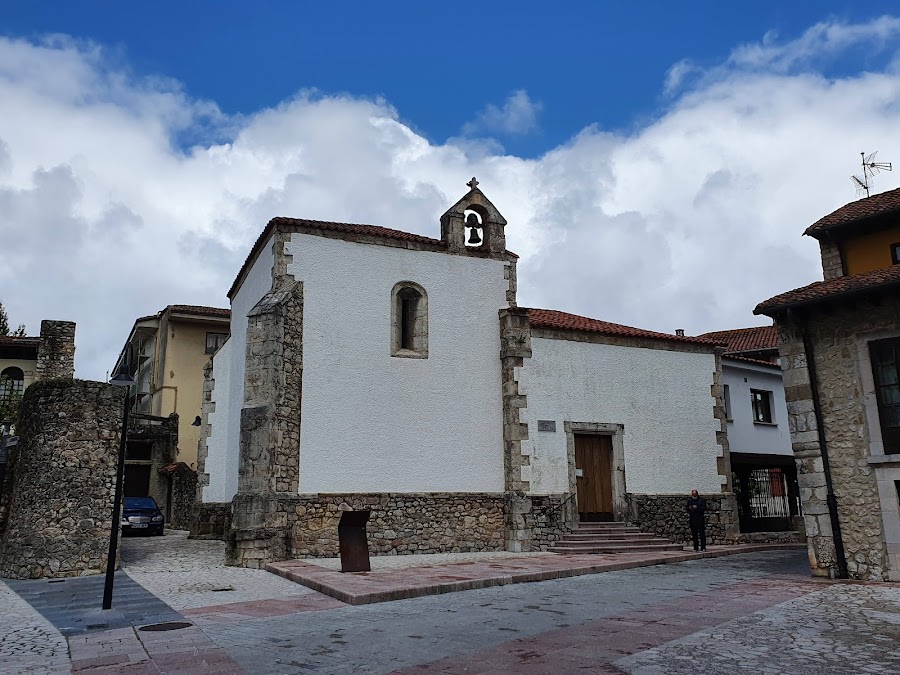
[[353, 542]]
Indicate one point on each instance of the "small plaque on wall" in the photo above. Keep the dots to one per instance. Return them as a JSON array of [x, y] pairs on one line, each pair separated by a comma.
[[546, 425]]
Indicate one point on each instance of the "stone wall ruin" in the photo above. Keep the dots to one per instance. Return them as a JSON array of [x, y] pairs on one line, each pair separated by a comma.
[[63, 481]]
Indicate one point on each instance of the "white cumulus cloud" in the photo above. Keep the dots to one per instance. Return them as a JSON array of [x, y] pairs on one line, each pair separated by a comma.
[[685, 222], [517, 116]]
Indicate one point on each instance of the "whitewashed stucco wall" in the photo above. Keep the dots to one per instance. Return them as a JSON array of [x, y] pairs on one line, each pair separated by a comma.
[[662, 397], [224, 443], [375, 423], [743, 434]]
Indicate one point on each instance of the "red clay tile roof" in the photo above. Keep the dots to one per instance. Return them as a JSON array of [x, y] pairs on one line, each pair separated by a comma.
[[758, 362], [198, 309], [550, 318], [746, 339], [356, 229], [876, 205], [348, 228], [825, 290], [20, 341]]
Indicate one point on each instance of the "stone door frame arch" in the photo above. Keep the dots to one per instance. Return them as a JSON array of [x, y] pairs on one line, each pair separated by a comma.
[[616, 432]]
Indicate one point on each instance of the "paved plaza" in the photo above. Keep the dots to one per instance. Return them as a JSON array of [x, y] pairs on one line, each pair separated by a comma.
[[750, 613]]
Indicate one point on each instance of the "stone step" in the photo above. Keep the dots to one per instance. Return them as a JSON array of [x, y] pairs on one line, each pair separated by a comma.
[[636, 548], [577, 536], [606, 527], [566, 543]]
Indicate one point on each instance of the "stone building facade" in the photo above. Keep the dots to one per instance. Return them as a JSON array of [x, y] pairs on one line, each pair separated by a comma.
[[840, 347], [24, 361], [375, 369]]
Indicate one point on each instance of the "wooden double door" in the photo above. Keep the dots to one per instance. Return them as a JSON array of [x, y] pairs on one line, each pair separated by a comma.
[[593, 477]]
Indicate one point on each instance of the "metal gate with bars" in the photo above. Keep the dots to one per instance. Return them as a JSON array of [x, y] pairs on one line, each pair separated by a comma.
[[767, 499]]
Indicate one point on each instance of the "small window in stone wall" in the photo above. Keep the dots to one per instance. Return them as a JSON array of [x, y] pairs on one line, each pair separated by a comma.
[[409, 321], [895, 253]]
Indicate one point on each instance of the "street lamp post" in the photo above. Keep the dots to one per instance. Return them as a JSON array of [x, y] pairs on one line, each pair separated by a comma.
[[123, 378]]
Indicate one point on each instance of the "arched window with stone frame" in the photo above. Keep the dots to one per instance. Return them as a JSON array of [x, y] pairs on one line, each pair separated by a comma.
[[409, 321]]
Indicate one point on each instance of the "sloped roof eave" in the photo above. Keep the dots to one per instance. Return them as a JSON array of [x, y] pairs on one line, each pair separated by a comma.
[[321, 228], [881, 204], [822, 292], [556, 320]]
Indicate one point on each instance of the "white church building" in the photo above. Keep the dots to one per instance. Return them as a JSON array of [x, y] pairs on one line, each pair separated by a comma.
[[374, 369]]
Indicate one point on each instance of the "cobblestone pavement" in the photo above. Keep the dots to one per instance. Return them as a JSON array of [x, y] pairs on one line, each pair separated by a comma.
[[748, 613], [841, 629], [546, 627], [28, 642], [189, 573]]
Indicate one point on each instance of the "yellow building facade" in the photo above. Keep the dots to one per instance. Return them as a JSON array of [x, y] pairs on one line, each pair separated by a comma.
[[872, 251], [170, 349]]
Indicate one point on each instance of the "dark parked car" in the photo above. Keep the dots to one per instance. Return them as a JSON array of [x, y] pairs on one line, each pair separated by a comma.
[[141, 514]]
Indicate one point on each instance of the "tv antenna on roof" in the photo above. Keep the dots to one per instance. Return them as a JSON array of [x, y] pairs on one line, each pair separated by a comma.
[[870, 168]]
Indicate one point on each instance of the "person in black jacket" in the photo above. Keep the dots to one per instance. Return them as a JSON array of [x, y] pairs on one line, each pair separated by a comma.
[[696, 508]]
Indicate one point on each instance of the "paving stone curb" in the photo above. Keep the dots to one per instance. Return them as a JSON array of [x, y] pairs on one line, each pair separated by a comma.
[[372, 587]]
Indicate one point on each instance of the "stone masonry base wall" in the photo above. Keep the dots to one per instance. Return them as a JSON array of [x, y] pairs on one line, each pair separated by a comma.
[[306, 526], [540, 520], [184, 492], [210, 520], [665, 516]]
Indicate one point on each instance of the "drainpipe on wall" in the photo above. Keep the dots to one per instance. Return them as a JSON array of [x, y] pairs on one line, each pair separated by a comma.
[[830, 499]]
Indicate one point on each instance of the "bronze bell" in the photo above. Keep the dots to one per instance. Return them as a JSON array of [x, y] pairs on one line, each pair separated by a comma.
[[473, 225]]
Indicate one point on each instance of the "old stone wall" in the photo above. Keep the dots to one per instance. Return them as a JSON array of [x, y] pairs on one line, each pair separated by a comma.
[[832, 264], [305, 526], [207, 406], [515, 347], [184, 494], [545, 519], [723, 461], [836, 338], [666, 517], [273, 381], [210, 520], [790, 537], [56, 353], [64, 480]]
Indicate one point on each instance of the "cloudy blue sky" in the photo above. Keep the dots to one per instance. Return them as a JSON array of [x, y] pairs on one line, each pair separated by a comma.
[[657, 163]]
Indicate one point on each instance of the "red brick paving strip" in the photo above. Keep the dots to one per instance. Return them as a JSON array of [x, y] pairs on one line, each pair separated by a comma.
[[125, 650], [594, 646], [265, 608], [362, 588]]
